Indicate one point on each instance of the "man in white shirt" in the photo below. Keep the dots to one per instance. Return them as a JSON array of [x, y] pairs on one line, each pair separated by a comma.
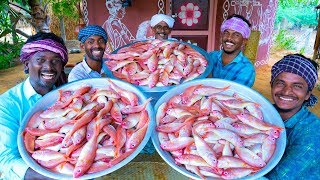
[[161, 26], [93, 40]]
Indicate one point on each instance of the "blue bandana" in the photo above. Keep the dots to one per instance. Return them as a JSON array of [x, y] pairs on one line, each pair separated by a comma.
[[91, 30], [300, 66]]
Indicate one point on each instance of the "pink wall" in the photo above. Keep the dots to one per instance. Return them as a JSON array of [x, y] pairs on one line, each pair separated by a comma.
[[260, 13], [128, 18]]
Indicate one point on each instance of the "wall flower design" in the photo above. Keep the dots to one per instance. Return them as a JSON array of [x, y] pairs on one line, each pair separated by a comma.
[[189, 14]]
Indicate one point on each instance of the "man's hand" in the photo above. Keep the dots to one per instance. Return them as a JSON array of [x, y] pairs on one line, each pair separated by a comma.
[[33, 175]]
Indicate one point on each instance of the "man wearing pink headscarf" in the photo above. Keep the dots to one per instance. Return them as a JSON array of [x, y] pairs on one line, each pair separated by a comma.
[[44, 56], [230, 63]]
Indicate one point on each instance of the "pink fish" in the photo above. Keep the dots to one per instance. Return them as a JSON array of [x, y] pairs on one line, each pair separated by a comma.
[[152, 62], [86, 156], [249, 157], [122, 56], [64, 168], [209, 90], [85, 119], [49, 140], [48, 158], [205, 151], [256, 123], [35, 120], [136, 138], [178, 143], [116, 113], [134, 109], [128, 96], [231, 162], [228, 135], [235, 173], [268, 148], [29, 142], [191, 159]]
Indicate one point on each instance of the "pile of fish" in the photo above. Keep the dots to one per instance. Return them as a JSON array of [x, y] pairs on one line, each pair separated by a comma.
[[213, 134], [87, 129], [157, 63]]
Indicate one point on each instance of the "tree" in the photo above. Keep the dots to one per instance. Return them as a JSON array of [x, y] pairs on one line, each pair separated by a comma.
[[65, 9]]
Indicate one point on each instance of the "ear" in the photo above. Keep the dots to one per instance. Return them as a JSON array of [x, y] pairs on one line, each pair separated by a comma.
[[26, 67], [82, 46], [244, 43], [308, 95]]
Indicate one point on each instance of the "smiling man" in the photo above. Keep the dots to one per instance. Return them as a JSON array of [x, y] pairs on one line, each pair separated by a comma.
[[93, 39], [292, 81], [161, 26], [44, 56], [230, 63]]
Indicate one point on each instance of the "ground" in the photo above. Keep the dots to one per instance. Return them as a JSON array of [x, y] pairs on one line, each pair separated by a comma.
[[14, 75]]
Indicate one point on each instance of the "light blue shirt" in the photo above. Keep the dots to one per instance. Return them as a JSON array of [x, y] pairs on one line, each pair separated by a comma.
[[14, 104], [301, 159], [239, 70], [83, 71]]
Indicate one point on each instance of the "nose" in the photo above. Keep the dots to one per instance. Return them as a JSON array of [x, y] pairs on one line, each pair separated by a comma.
[[287, 89], [48, 65]]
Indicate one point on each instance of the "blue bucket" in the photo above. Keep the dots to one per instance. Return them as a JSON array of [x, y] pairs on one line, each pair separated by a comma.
[[157, 92]]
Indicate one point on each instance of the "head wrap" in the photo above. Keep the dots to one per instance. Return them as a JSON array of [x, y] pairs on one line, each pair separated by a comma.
[[155, 19], [238, 25], [300, 66], [92, 30], [29, 49]]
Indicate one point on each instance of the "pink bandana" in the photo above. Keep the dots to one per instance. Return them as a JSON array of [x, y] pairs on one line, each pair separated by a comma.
[[238, 25], [41, 45]]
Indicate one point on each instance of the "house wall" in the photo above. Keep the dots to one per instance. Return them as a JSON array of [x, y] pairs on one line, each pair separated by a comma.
[[122, 24]]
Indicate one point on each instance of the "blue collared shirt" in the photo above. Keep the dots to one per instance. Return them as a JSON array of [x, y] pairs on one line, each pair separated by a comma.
[[239, 70], [14, 104], [83, 71], [301, 159]]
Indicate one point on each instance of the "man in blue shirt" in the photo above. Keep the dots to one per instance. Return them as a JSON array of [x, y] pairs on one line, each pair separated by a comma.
[[93, 40], [230, 63], [292, 81], [44, 56]]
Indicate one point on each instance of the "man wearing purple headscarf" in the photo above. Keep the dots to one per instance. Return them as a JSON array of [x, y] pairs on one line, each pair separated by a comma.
[[44, 56], [292, 81], [230, 63]]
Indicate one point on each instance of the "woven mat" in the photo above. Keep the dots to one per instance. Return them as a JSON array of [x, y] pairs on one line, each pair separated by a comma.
[[145, 170]]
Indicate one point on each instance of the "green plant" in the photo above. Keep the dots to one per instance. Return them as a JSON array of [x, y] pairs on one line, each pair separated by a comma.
[[302, 50], [9, 52], [284, 41]]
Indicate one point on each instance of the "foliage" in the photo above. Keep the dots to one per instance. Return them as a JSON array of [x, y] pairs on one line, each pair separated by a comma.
[[8, 52], [290, 3], [65, 8], [284, 41], [294, 11]]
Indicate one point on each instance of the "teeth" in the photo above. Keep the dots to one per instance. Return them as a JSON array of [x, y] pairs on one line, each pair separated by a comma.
[[96, 53], [47, 75], [286, 99], [228, 43]]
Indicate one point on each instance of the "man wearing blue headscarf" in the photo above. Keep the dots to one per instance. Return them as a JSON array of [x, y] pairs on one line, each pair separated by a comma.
[[93, 39], [292, 81]]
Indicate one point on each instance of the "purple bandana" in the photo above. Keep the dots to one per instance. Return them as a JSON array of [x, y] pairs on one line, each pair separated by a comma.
[[299, 66], [238, 25], [31, 48]]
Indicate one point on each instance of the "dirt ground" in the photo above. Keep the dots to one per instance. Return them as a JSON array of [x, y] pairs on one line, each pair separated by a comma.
[[14, 75]]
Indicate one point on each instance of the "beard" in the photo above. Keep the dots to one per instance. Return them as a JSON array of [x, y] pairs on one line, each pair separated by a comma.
[[93, 57]]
